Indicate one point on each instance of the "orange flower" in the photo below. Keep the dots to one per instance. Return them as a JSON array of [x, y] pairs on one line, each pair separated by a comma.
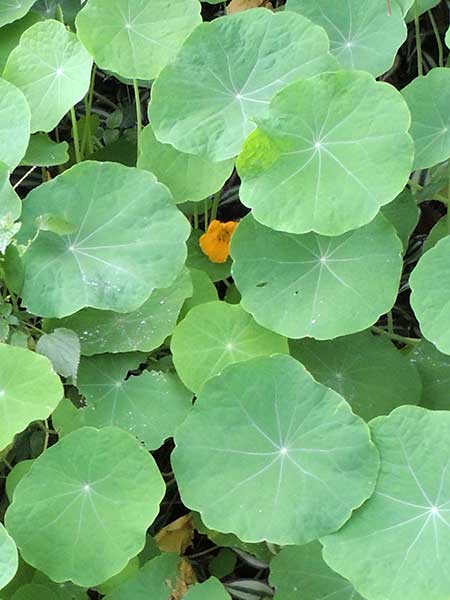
[[215, 243]]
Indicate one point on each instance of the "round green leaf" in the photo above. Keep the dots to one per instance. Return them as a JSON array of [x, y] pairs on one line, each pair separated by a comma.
[[44, 152], [211, 589], [300, 571], [428, 98], [404, 215], [11, 10], [430, 298], [128, 238], [53, 70], [322, 136], [94, 494], [205, 101], [150, 406], [368, 371], [396, 546], [14, 124], [143, 329], [190, 178], [316, 286], [9, 558], [136, 38], [217, 334], [158, 576], [363, 35], [29, 390], [434, 370], [268, 453]]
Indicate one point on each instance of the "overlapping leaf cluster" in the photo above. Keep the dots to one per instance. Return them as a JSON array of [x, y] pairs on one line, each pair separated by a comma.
[[309, 431]]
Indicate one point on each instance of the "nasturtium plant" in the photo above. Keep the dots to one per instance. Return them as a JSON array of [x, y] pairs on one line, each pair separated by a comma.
[[14, 124], [395, 545], [92, 487], [267, 453], [318, 138], [136, 38], [316, 286], [52, 68], [9, 557], [143, 329], [363, 35], [225, 74], [190, 178], [429, 297], [224, 299], [112, 259], [367, 370], [427, 98], [29, 390], [229, 335]]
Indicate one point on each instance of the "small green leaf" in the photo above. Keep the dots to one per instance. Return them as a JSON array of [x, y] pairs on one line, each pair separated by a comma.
[[211, 589], [404, 214], [62, 347], [73, 492], [52, 68], [267, 453], [17, 474], [434, 369], [215, 335], [44, 152], [204, 291], [395, 546], [29, 390]]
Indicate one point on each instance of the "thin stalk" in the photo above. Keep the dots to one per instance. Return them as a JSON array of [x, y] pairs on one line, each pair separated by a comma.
[[105, 100], [205, 212], [76, 137], [195, 217], [418, 41], [394, 336], [215, 205], [416, 186], [22, 179], [87, 133], [138, 112], [437, 35], [59, 14], [390, 322]]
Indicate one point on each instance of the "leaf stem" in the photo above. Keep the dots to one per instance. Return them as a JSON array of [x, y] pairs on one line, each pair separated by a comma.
[[76, 137], [394, 336], [22, 179], [215, 205], [419, 188], [205, 213], [138, 113], [418, 41], [195, 217], [437, 35], [87, 133]]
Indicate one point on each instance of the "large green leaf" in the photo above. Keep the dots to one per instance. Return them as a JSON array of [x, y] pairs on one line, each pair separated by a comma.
[[29, 390], [404, 215], [158, 576], [52, 68], [188, 177], [226, 73], [434, 369], [211, 589], [362, 33], [9, 558], [268, 453], [428, 98], [128, 238], [14, 124], [368, 371], [150, 406], [217, 334], [11, 10], [82, 511], [10, 209], [310, 164], [143, 329], [136, 38], [396, 546], [316, 286], [300, 571], [430, 298]]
